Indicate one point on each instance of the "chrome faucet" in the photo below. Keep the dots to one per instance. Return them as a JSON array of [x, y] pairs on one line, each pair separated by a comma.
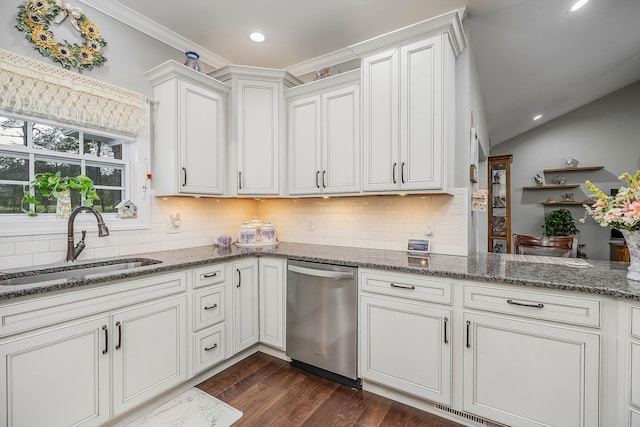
[[73, 250]]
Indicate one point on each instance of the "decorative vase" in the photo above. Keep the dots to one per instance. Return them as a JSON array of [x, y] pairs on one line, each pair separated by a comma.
[[633, 242], [63, 204]]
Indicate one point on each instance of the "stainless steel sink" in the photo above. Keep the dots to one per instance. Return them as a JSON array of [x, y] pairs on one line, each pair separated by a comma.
[[75, 271]]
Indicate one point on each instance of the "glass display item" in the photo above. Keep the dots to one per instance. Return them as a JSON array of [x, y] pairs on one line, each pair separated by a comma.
[[499, 206]]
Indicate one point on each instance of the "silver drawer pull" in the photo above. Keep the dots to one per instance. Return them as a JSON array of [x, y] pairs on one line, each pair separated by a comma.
[[211, 307], [522, 304], [208, 275], [211, 348], [410, 287]]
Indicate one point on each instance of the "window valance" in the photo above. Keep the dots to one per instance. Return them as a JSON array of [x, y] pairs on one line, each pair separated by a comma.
[[38, 89]]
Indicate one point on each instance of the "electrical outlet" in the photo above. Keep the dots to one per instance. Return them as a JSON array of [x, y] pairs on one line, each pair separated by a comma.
[[429, 228]]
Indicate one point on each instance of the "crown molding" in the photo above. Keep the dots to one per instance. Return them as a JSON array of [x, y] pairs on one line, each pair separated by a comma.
[[327, 60], [135, 20]]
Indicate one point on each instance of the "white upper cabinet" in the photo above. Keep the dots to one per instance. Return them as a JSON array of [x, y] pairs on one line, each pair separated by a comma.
[[189, 131], [324, 136], [256, 147], [407, 103]]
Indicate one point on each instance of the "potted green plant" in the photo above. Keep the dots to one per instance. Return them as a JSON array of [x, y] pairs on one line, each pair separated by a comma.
[[560, 223], [53, 185]]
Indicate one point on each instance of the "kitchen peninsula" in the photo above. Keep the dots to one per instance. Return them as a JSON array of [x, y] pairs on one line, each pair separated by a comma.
[[456, 322]]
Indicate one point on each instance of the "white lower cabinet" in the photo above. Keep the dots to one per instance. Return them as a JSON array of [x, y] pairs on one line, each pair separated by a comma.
[[56, 377], [149, 351], [523, 373], [272, 301], [246, 330], [406, 346]]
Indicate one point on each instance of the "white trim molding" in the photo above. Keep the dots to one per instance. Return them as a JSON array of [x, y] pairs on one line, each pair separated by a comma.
[[130, 17]]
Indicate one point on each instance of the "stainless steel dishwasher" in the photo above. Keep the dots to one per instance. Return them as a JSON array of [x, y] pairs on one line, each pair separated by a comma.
[[322, 313]]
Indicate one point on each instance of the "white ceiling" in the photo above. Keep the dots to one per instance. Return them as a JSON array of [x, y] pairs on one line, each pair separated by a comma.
[[533, 57]]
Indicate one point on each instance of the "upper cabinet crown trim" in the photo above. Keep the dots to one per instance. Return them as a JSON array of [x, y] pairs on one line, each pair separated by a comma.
[[170, 69], [347, 78], [260, 73], [450, 23]]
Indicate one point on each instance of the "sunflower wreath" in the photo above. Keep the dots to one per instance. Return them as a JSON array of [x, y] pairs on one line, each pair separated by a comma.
[[34, 18]]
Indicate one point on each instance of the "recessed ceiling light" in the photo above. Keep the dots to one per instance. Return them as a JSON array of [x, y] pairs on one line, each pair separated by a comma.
[[539, 116], [257, 37], [577, 5]]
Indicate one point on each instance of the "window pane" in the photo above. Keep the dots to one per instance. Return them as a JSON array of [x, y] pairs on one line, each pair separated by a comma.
[[108, 176], [14, 169], [10, 198], [12, 132], [55, 139], [65, 169], [102, 147], [108, 200]]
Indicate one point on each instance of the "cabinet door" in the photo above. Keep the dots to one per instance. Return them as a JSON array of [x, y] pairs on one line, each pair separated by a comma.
[[380, 134], [421, 139], [304, 146], [406, 346], [245, 304], [341, 140], [527, 374], [202, 139], [149, 351], [59, 377], [272, 301], [258, 137]]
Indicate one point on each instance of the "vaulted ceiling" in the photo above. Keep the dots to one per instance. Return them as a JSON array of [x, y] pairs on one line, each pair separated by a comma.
[[533, 56]]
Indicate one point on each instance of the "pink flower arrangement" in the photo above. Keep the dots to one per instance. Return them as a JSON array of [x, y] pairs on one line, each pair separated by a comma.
[[622, 211]]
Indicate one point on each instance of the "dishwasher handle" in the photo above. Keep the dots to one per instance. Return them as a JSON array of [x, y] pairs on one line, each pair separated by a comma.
[[335, 275]]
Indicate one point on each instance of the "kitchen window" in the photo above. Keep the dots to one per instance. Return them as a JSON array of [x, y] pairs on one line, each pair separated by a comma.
[[28, 147]]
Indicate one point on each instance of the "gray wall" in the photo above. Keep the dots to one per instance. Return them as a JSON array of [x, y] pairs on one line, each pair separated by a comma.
[[605, 132], [129, 52]]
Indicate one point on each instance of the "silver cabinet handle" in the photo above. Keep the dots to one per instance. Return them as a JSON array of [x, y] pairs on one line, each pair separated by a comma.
[[239, 277], [393, 173], [317, 176], [410, 287], [208, 275], [211, 307], [402, 173], [106, 339], [336, 275], [211, 348], [119, 326], [240, 180], [446, 339], [184, 176], [522, 304], [324, 174]]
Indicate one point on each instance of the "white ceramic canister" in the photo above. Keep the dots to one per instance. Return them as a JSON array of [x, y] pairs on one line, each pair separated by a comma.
[[247, 233], [257, 224], [268, 232]]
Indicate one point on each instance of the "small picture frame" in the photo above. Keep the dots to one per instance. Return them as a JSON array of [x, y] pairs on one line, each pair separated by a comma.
[[418, 246]]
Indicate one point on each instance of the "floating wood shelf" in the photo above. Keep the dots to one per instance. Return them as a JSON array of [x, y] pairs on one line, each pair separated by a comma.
[[578, 169], [584, 202], [550, 187]]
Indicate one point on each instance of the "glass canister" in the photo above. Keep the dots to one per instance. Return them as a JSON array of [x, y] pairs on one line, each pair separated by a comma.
[[192, 60], [268, 232], [247, 233]]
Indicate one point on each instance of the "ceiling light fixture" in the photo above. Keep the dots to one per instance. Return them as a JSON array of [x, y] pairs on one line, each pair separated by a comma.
[[539, 116], [257, 37], [577, 5]]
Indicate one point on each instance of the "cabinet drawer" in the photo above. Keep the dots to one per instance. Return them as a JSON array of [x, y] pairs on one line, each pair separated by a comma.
[[635, 321], [538, 305], [208, 348], [208, 307], [208, 275], [415, 287]]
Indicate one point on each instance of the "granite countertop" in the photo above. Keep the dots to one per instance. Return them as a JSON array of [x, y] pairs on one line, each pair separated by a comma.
[[596, 277]]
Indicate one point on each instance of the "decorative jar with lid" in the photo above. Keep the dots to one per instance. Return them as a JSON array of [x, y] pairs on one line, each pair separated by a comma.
[[268, 232], [192, 60], [247, 233]]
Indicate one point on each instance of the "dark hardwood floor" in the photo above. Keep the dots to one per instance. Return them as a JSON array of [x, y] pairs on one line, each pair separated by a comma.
[[270, 392]]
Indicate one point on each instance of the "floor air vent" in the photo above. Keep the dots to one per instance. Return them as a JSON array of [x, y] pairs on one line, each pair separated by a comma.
[[460, 414]]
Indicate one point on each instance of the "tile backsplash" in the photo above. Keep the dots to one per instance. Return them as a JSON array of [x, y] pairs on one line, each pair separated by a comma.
[[378, 222]]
